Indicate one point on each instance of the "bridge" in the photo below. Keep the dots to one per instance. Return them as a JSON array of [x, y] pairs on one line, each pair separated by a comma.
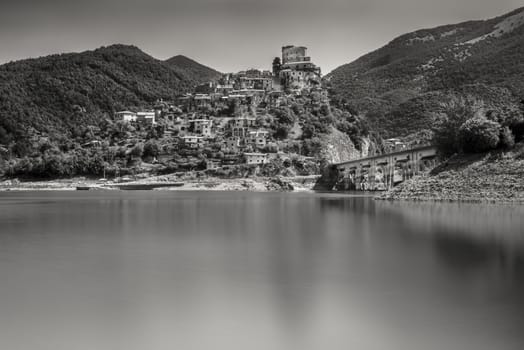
[[384, 171]]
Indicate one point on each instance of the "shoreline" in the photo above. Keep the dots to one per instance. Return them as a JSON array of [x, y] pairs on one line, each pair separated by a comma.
[[465, 200], [441, 188], [253, 184]]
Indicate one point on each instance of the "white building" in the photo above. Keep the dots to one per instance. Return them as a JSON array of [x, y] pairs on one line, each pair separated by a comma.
[[256, 158], [193, 141], [202, 100], [258, 138], [126, 116], [146, 118], [394, 145]]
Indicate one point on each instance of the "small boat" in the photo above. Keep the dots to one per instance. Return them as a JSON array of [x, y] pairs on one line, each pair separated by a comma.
[[148, 186], [83, 188]]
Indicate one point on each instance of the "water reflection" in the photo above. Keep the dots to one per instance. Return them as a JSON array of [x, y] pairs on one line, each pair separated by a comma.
[[161, 270]]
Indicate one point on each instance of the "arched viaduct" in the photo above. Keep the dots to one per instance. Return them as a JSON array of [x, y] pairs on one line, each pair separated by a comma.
[[382, 172]]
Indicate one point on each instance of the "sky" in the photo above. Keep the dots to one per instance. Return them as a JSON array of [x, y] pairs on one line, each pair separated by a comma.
[[228, 35]]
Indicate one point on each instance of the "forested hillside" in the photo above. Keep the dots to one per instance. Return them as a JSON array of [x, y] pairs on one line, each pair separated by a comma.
[[409, 84], [56, 95], [195, 70]]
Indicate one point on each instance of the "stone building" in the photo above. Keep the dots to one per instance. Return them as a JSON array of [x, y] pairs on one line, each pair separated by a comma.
[[201, 127], [297, 72], [253, 79], [293, 53]]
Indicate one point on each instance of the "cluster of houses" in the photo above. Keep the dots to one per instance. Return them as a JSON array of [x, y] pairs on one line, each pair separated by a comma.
[[223, 112]]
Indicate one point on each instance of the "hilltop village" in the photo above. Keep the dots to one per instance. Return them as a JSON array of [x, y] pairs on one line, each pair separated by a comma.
[[228, 121], [252, 123]]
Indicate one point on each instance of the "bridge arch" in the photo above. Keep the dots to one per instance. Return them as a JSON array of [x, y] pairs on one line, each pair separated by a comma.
[[383, 171]]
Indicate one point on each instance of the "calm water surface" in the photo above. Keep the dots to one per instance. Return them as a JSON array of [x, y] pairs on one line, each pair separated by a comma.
[[196, 270]]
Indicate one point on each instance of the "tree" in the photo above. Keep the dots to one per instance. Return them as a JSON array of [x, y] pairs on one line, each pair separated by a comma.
[[5, 138], [445, 131], [285, 116], [478, 135], [120, 129], [96, 162], [281, 132], [151, 149], [55, 165], [276, 65], [324, 110]]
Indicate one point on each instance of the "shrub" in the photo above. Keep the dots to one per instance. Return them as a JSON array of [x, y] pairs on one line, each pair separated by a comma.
[[507, 140], [478, 135], [281, 132], [445, 137], [519, 150], [137, 151], [270, 148], [515, 122]]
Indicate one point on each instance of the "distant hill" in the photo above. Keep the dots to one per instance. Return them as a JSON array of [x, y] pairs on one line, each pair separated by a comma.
[[404, 85], [52, 95], [196, 70]]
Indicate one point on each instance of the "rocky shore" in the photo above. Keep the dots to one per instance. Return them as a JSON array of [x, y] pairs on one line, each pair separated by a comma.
[[256, 184], [495, 177]]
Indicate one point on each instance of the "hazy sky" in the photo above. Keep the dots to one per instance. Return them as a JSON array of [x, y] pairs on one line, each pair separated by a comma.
[[228, 35]]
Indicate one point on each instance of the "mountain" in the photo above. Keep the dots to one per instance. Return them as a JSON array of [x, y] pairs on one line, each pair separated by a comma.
[[403, 86], [53, 95], [196, 70]]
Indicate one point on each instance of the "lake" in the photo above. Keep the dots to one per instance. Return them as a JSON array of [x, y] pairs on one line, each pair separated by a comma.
[[236, 270]]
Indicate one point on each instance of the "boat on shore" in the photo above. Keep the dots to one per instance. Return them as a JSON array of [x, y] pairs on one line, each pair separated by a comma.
[[131, 186], [146, 186]]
